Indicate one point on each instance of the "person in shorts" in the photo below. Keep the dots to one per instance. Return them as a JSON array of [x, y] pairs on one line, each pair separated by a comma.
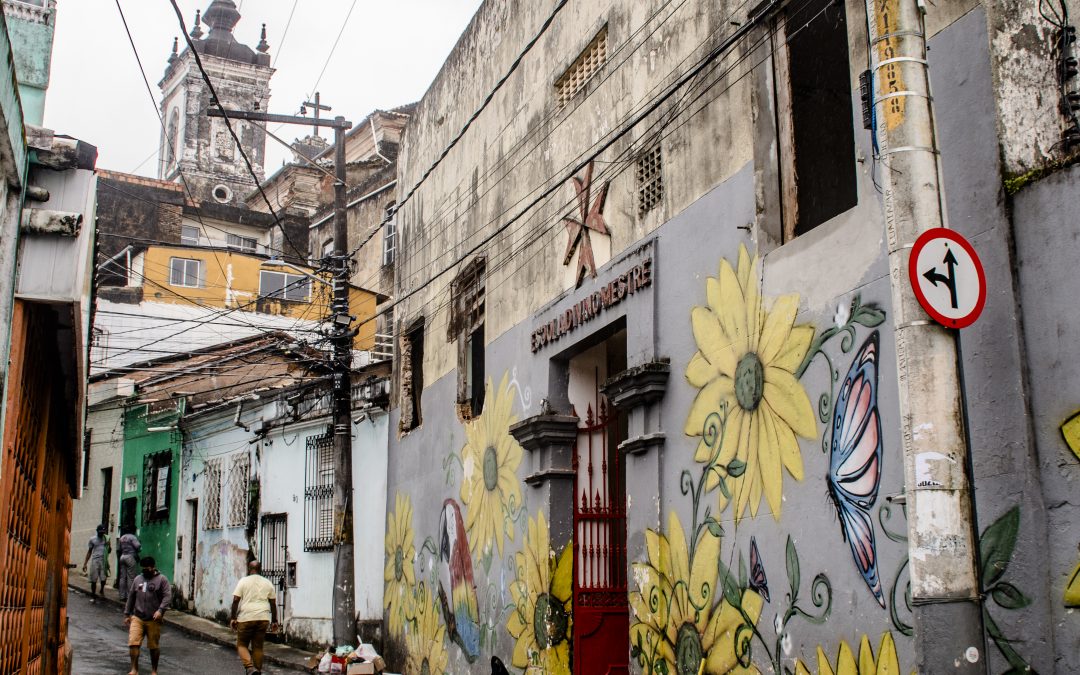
[[254, 610], [97, 555], [147, 601], [129, 546]]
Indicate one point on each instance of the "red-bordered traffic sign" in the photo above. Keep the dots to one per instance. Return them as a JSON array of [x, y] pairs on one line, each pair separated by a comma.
[[947, 277]]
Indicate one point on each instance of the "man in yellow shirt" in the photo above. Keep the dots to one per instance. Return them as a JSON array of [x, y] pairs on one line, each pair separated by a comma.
[[254, 610]]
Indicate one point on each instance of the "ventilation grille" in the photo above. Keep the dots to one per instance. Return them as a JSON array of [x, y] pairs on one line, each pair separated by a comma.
[[575, 77], [650, 180]]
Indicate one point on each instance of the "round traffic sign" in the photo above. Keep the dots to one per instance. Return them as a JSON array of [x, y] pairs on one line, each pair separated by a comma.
[[947, 277]]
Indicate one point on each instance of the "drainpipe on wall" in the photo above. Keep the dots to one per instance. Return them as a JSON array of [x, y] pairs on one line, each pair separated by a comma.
[[941, 541]]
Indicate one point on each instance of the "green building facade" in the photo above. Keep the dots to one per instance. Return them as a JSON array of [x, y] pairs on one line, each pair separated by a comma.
[[148, 500]]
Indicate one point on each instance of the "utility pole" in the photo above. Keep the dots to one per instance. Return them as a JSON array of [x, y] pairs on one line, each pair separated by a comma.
[[942, 547], [344, 597]]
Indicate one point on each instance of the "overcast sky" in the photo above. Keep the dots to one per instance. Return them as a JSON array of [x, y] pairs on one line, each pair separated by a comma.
[[388, 55]]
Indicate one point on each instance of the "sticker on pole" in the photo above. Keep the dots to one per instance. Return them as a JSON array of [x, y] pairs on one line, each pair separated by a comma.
[[947, 277]]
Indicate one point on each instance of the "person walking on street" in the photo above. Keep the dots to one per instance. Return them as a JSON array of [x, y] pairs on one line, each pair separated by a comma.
[[254, 610], [147, 601], [129, 546], [97, 554]]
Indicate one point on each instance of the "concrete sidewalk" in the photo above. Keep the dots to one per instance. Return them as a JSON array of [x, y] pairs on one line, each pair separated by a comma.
[[276, 654]]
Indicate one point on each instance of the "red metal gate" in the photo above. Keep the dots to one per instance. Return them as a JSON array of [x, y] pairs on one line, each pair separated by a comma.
[[601, 608]]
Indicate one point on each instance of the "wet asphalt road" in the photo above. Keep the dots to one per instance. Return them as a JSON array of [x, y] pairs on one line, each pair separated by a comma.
[[98, 636]]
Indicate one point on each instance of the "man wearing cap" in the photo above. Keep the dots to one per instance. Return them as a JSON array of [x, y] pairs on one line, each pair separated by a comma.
[[254, 610], [97, 554], [147, 601]]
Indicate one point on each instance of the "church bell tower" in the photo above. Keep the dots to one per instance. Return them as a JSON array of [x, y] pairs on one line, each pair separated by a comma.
[[198, 149]]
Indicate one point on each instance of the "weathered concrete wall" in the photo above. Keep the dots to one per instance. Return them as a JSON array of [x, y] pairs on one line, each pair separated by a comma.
[[524, 143], [739, 509], [1046, 238], [105, 425], [1003, 458], [220, 553]]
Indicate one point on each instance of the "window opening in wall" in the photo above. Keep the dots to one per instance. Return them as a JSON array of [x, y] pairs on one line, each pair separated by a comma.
[[222, 193], [189, 235], [238, 243], [650, 181], [238, 489], [212, 512], [816, 126], [186, 272], [273, 548], [412, 376], [157, 480], [86, 457], [319, 493], [389, 236], [328, 248], [584, 66], [467, 328], [106, 495], [283, 286]]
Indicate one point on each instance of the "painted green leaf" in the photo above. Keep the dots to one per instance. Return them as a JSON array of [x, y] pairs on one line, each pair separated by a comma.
[[736, 468], [793, 572], [730, 586], [1009, 596], [715, 528], [724, 489], [996, 546], [868, 315]]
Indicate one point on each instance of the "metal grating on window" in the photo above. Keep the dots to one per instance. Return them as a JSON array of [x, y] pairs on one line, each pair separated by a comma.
[[319, 493], [575, 77], [157, 484], [212, 512], [650, 181], [273, 548], [238, 489]]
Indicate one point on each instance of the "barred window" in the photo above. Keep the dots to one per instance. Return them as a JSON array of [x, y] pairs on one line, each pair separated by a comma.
[[583, 67], [212, 511], [238, 489], [157, 484], [319, 493], [650, 181], [273, 546]]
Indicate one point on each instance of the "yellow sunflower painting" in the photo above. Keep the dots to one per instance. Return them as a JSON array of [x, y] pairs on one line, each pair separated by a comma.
[[425, 640], [886, 663], [541, 618], [398, 574], [676, 628], [490, 487], [745, 365]]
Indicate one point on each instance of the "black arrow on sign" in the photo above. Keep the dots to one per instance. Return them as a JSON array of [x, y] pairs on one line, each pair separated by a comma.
[[933, 276]]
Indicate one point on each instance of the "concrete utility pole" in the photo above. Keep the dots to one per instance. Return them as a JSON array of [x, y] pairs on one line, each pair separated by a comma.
[[941, 540], [344, 598]]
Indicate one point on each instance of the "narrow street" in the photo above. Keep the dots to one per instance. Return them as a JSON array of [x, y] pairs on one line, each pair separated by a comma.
[[99, 639]]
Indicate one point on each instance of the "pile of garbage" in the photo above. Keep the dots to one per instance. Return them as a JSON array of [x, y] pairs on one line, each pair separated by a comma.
[[349, 660]]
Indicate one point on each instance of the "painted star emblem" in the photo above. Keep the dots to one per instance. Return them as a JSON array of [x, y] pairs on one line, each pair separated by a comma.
[[591, 217]]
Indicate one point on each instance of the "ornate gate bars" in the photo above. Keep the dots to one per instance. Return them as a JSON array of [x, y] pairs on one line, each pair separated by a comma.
[[601, 609]]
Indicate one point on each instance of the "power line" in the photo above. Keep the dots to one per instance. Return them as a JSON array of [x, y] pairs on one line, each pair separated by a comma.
[[332, 49], [285, 34], [228, 123]]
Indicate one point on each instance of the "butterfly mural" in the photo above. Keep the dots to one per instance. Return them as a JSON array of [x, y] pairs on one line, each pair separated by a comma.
[[855, 457], [457, 588], [758, 582]]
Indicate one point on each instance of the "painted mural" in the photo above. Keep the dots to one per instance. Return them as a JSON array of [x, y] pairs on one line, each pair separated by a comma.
[[1070, 432], [453, 591], [752, 419]]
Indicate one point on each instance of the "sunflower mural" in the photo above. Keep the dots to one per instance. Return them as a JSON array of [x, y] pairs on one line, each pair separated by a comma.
[[541, 618], [398, 574], [425, 638], [885, 663], [489, 488], [744, 369], [675, 627]]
